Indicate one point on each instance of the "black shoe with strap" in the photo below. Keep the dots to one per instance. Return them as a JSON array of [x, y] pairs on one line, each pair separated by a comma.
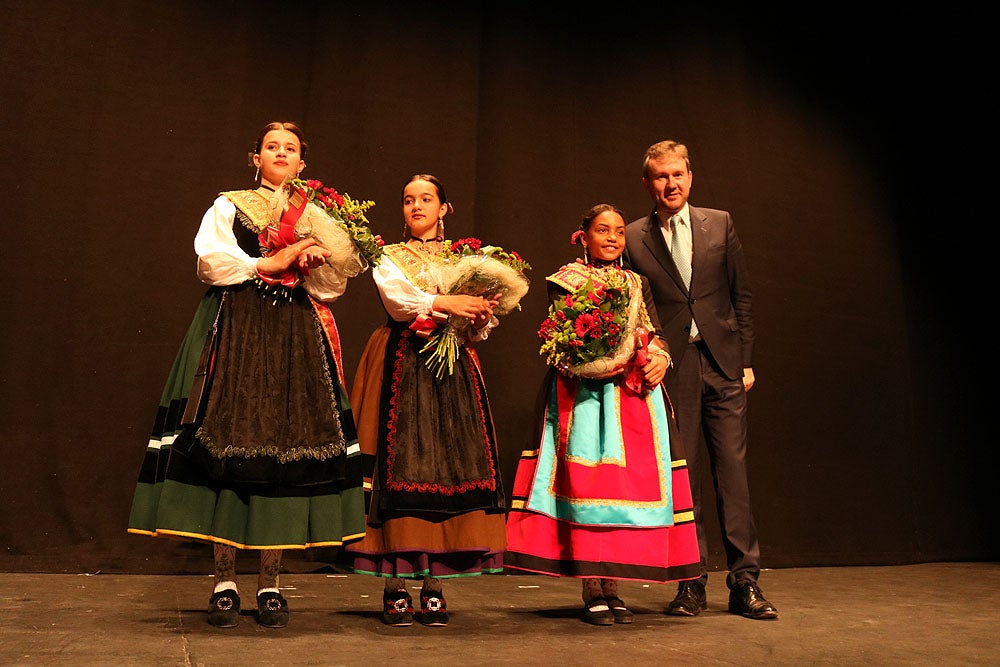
[[598, 612], [690, 599], [746, 599], [619, 610], [224, 609]]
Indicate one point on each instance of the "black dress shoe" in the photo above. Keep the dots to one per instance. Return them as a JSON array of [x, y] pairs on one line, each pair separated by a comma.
[[597, 612], [746, 599], [224, 609], [619, 610], [690, 599]]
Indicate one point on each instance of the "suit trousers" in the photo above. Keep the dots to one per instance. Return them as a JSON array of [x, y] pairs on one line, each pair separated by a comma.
[[708, 404]]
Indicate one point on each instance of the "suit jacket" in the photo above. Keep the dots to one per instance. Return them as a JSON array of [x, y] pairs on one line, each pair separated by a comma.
[[719, 299]]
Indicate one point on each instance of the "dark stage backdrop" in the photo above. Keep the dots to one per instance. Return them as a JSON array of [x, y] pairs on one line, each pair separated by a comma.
[[121, 120]]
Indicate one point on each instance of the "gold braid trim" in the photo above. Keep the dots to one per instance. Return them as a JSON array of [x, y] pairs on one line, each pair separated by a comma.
[[574, 276], [571, 277], [256, 210], [644, 320], [414, 266], [282, 455]]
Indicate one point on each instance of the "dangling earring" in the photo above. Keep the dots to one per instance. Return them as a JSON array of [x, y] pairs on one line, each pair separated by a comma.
[[256, 176], [586, 255], [440, 234], [406, 232]]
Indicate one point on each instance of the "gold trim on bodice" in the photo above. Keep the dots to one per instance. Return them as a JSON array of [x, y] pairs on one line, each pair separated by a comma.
[[253, 205], [418, 267], [574, 276]]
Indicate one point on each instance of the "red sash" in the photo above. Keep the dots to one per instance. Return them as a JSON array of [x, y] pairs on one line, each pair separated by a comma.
[[273, 240]]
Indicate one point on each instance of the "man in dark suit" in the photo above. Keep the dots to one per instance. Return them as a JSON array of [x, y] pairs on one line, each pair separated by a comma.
[[695, 265]]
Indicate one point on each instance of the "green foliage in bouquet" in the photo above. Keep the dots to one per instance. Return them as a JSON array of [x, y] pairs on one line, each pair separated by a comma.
[[348, 212], [471, 268], [585, 325]]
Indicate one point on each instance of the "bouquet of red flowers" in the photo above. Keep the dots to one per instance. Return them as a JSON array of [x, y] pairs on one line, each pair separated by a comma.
[[589, 332], [347, 213], [469, 267]]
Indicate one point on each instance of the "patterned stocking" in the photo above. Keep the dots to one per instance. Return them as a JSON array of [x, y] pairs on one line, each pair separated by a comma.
[[591, 590], [225, 567], [270, 565]]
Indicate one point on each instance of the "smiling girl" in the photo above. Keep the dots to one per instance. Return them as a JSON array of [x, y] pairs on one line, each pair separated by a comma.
[[604, 496]]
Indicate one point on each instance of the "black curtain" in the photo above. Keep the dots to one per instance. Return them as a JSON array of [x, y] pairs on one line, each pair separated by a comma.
[[123, 119]]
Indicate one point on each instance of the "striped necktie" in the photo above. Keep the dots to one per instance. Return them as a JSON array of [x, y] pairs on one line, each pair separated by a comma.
[[680, 250]]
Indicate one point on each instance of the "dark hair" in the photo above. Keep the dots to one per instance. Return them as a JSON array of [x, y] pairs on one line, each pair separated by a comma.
[[433, 180], [279, 125], [596, 210], [588, 219]]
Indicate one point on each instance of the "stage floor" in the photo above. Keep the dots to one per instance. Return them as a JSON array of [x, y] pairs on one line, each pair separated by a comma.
[[925, 614]]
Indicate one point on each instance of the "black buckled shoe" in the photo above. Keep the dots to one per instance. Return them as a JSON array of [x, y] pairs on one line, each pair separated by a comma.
[[272, 610], [224, 609], [433, 608], [746, 599], [619, 610], [397, 608], [690, 599]]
